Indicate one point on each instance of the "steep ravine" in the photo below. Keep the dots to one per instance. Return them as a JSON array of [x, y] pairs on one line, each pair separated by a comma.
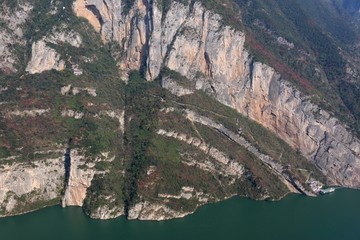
[[196, 43]]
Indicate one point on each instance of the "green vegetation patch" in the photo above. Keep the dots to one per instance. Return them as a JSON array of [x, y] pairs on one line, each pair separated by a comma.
[[141, 107], [165, 149]]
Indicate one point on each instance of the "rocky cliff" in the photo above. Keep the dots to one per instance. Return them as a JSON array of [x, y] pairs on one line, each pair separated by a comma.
[[33, 172], [23, 185], [222, 123], [195, 42], [80, 177]]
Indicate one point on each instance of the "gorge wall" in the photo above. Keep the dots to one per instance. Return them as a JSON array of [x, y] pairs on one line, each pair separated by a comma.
[[194, 41], [66, 86]]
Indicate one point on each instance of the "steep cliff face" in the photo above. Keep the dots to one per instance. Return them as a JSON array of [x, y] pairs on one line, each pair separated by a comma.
[[80, 178], [151, 152], [23, 185], [194, 42], [257, 91], [44, 58]]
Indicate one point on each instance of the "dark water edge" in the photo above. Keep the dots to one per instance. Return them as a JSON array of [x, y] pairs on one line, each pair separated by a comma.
[[332, 216]]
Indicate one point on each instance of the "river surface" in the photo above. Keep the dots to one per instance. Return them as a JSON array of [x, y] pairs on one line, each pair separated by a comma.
[[332, 216]]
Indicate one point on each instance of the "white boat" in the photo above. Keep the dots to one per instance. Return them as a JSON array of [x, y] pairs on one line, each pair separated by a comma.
[[327, 190]]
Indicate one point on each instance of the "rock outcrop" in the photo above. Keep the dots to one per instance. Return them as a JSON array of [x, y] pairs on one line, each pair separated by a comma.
[[80, 178], [272, 102], [23, 183], [175, 88], [103, 15], [44, 58], [62, 35], [277, 168], [154, 211], [105, 213]]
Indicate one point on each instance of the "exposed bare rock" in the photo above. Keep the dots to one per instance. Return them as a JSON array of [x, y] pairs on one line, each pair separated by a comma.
[[175, 88], [7, 59], [72, 114], [186, 193], [81, 175], [81, 10], [154, 211], [27, 113], [165, 31], [276, 105], [103, 15], [275, 167], [90, 91], [132, 31], [62, 35], [193, 41], [3, 89], [255, 90], [65, 89], [105, 213], [40, 181], [68, 89], [44, 58]]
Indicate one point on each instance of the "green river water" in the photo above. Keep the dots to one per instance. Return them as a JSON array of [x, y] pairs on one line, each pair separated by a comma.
[[332, 216]]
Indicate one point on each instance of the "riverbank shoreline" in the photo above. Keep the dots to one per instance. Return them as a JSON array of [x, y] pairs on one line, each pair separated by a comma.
[[324, 217]]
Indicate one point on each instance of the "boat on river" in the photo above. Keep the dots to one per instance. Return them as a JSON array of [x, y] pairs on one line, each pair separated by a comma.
[[327, 190]]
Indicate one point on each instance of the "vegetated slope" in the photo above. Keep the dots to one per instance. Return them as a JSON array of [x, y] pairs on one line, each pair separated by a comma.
[[195, 150], [159, 149], [40, 112]]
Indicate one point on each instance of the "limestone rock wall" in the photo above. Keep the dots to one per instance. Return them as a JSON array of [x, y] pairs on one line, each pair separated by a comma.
[[43, 181], [44, 58], [81, 175], [20, 182], [194, 42]]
